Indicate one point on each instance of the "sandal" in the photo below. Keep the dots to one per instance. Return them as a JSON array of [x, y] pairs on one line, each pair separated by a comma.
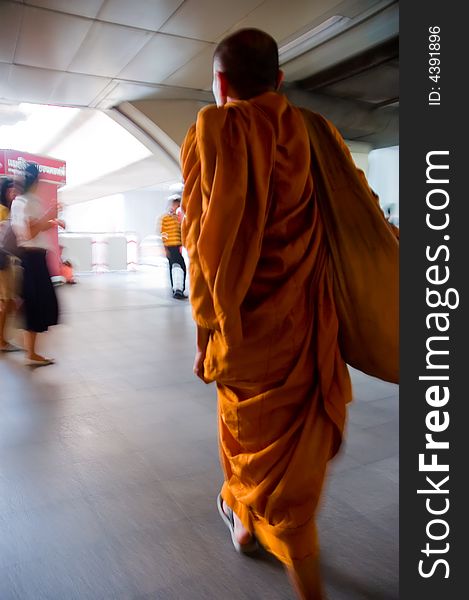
[[31, 362], [228, 519], [10, 348]]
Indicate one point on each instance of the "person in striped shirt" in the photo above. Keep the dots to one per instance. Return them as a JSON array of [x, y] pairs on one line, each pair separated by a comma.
[[170, 228]]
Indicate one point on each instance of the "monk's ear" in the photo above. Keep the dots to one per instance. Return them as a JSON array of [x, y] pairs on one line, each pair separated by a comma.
[[280, 78], [220, 87], [224, 87]]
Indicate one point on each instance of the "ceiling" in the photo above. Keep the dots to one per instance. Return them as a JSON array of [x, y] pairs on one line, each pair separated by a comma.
[[103, 53]]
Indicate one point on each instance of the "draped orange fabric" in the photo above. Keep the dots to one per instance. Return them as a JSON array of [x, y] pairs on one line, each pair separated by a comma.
[[364, 251], [262, 282]]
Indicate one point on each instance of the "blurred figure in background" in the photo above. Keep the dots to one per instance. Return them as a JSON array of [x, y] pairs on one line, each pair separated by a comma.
[[170, 229], [30, 223], [7, 266], [66, 268], [392, 217]]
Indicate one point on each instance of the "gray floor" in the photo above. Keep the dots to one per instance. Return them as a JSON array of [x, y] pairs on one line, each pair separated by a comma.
[[109, 468]]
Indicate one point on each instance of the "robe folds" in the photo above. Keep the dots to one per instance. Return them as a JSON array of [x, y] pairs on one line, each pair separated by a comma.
[[263, 281]]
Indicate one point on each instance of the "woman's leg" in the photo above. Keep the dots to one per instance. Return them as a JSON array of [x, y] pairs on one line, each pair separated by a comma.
[[30, 345], [3, 321], [7, 304], [7, 309]]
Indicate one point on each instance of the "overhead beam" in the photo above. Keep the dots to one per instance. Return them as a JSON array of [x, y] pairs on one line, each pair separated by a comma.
[[374, 57]]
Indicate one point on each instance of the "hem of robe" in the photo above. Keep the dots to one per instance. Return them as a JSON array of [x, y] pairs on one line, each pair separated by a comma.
[[278, 541]]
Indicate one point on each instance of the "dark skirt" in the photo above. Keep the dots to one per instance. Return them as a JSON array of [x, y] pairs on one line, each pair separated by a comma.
[[39, 299]]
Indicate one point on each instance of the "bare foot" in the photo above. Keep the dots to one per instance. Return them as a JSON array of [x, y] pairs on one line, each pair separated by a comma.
[[35, 356]]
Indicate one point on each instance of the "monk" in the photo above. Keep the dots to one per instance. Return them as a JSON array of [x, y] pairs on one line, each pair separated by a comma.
[[263, 264]]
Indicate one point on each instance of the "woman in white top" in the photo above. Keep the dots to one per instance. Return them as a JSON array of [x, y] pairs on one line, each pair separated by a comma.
[[39, 299]]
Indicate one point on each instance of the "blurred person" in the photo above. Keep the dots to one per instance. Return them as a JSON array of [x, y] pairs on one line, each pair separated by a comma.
[[66, 268], [66, 271], [392, 217], [30, 223], [277, 224], [7, 266], [170, 229]]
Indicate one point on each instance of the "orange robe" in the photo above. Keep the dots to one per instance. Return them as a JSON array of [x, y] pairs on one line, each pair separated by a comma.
[[262, 282]]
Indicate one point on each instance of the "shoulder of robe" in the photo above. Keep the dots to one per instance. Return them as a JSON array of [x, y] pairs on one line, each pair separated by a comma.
[[213, 115], [190, 135], [318, 120], [219, 126], [325, 132], [209, 114], [226, 124], [190, 132]]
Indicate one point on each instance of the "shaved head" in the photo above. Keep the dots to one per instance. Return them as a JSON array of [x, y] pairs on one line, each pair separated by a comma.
[[249, 60]]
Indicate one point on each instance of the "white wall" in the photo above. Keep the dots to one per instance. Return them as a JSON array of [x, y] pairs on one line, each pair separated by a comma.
[[96, 216], [136, 211], [360, 152], [143, 209], [383, 177]]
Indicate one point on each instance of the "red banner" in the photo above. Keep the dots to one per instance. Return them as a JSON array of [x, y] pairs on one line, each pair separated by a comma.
[[12, 163]]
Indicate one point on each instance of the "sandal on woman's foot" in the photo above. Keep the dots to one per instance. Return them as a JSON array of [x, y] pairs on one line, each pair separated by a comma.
[[228, 518], [43, 362], [10, 348]]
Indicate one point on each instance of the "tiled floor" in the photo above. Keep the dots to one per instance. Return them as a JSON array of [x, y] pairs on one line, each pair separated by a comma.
[[109, 468]]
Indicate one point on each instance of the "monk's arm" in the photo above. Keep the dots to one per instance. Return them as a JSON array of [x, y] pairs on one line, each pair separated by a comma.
[[192, 201], [226, 207]]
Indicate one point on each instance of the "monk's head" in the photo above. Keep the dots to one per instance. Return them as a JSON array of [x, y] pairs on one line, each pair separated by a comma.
[[245, 64]]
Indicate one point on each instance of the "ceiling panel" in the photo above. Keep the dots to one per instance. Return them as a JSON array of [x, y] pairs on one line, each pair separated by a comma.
[[163, 55], [48, 39], [283, 18], [10, 20], [197, 73], [119, 92], [78, 90], [148, 14], [207, 19], [85, 8], [108, 48], [28, 84]]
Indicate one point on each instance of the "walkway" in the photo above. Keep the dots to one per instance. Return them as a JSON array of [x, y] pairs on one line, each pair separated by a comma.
[[109, 467]]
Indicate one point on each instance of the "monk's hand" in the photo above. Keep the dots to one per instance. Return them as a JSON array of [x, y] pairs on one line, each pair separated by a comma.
[[203, 336], [199, 365]]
